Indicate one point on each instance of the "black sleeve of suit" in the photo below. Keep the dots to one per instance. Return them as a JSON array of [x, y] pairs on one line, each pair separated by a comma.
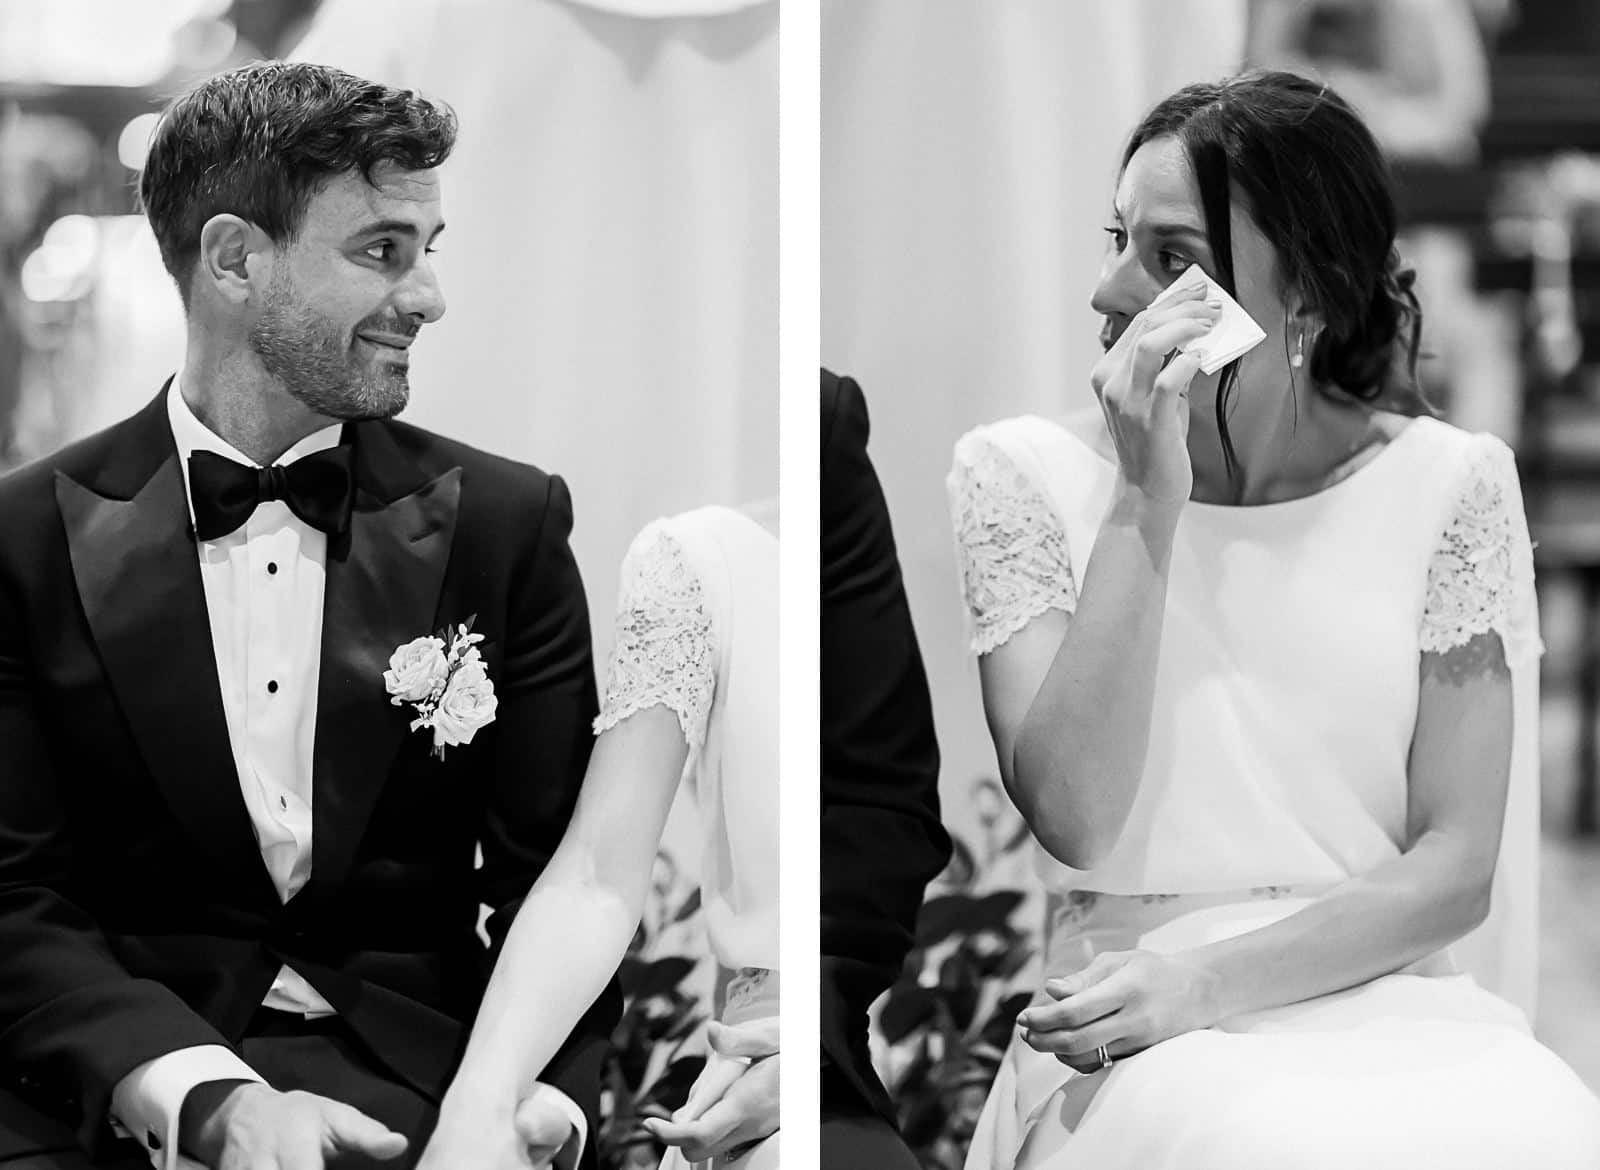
[[882, 840], [73, 1021], [547, 704]]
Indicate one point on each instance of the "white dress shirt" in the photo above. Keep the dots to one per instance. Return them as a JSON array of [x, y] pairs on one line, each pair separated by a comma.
[[264, 591], [263, 586]]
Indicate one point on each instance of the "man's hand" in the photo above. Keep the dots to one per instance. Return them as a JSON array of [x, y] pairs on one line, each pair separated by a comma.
[[489, 1138], [231, 1126], [734, 1103]]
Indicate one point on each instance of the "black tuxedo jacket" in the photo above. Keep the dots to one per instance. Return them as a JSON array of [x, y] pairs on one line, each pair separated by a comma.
[[136, 915], [881, 836]]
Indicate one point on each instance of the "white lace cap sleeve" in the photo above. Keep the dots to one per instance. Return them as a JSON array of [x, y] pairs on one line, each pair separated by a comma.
[[664, 653], [1011, 546], [1482, 568]]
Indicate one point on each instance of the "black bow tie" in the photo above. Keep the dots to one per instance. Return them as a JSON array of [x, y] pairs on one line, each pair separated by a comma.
[[317, 489]]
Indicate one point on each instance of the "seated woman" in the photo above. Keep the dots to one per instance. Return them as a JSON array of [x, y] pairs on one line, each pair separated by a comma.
[[1259, 657], [691, 692]]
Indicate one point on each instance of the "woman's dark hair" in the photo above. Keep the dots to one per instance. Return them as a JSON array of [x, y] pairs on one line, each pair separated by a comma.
[[1315, 182], [258, 142]]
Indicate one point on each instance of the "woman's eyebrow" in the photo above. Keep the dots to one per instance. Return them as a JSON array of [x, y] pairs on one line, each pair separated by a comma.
[[1183, 231]]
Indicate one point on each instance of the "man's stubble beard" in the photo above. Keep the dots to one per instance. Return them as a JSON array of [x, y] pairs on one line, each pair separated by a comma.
[[318, 367]]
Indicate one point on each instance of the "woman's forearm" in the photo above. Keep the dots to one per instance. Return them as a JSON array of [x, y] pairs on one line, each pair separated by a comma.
[[1080, 751], [1403, 911], [563, 947], [573, 928]]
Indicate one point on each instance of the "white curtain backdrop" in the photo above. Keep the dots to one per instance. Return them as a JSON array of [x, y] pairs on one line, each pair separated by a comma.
[[668, 8], [969, 151]]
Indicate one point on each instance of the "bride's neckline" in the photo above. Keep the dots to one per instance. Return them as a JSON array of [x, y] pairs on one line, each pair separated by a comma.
[[1356, 473]]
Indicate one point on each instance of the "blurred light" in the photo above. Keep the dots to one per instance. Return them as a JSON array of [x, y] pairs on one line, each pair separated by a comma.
[[75, 236], [61, 268], [94, 42], [201, 45], [43, 279], [134, 141]]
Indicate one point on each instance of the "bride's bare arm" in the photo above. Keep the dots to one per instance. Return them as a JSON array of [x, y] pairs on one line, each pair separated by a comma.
[[1476, 619], [1068, 699], [1431, 895], [573, 928]]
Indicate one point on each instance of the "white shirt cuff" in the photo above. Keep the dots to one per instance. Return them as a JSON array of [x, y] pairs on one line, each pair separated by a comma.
[[146, 1103], [570, 1153]]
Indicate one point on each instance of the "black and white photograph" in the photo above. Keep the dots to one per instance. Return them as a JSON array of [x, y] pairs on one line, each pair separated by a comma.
[[1209, 439], [409, 631], [388, 584]]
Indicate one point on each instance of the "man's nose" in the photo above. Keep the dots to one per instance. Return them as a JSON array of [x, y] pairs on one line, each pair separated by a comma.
[[422, 298]]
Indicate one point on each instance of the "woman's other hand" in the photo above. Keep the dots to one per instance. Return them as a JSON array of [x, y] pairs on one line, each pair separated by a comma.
[[734, 1102], [1124, 1001]]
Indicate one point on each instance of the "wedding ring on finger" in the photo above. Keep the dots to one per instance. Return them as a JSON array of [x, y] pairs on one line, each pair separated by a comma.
[[1103, 1057]]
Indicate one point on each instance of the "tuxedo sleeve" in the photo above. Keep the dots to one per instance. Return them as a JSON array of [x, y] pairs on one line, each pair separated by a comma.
[[73, 1021], [147, 1104], [882, 840], [547, 702]]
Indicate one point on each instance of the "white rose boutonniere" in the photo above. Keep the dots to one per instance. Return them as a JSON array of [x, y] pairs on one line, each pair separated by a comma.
[[416, 669], [443, 677], [468, 704]]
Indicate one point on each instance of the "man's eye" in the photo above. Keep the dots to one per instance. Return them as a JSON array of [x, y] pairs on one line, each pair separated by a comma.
[[380, 251]]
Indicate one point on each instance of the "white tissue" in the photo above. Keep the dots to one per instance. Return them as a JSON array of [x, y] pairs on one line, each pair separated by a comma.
[[1234, 334]]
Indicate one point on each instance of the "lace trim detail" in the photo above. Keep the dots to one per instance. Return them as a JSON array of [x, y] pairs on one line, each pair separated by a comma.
[[749, 990], [1010, 545], [1481, 565], [663, 653]]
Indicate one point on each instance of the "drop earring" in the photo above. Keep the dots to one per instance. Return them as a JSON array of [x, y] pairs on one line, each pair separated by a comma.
[[1299, 358]]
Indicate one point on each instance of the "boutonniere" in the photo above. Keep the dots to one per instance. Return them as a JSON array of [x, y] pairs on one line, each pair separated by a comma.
[[443, 677]]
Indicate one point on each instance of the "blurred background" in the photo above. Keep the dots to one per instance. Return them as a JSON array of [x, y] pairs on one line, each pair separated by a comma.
[[610, 269], [969, 153]]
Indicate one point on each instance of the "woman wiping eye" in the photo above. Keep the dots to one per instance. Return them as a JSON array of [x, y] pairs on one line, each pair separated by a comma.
[[1258, 652]]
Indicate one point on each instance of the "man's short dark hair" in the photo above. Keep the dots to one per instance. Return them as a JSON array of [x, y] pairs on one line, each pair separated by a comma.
[[258, 142]]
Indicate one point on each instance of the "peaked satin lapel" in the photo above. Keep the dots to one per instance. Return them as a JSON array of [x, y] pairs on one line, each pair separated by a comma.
[[382, 590], [138, 578]]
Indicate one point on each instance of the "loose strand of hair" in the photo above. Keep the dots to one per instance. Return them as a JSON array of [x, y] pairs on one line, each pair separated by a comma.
[[1210, 164]]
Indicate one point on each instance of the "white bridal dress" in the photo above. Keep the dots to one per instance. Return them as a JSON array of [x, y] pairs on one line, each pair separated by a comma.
[[1285, 699], [697, 631]]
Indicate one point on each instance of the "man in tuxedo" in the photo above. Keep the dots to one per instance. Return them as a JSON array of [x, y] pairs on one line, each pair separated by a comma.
[[881, 836], [238, 895]]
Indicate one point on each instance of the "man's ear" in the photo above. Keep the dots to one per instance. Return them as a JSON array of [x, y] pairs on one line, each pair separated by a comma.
[[231, 254]]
